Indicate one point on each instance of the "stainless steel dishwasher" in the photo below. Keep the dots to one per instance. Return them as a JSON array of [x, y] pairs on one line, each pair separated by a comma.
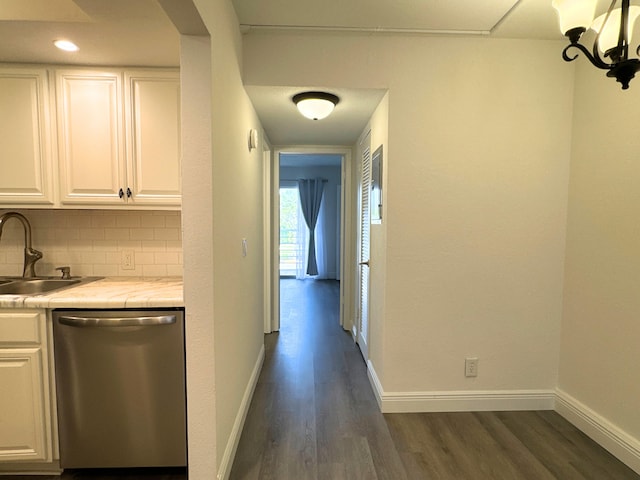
[[120, 378]]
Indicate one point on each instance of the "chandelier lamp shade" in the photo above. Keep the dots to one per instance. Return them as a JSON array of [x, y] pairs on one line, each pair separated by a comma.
[[613, 31], [315, 105]]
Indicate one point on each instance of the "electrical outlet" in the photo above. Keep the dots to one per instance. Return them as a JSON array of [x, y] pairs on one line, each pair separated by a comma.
[[128, 260], [471, 367]]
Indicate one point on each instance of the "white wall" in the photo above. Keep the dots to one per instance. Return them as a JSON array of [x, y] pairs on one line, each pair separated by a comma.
[[236, 212], [473, 241], [91, 242], [476, 195], [197, 204], [600, 328]]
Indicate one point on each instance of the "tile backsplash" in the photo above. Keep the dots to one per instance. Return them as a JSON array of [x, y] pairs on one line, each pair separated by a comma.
[[95, 242]]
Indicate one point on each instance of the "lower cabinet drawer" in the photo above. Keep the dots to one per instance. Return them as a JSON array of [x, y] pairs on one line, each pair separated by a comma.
[[21, 327]]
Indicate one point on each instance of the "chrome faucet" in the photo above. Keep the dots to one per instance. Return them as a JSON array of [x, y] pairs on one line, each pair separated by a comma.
[[31, 255]]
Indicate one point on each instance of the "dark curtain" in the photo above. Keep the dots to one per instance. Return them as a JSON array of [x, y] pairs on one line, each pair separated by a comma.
[[310, 200]]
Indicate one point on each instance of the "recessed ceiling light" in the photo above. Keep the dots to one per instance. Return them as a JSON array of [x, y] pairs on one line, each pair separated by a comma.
[[66, 45]]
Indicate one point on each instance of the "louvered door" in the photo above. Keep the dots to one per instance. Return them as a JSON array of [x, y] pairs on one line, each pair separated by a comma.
[[363, 254]]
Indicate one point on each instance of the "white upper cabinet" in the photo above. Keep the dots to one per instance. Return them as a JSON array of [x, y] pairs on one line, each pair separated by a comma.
[[25, 139], [119, 137], [153, 142], [90, 137]]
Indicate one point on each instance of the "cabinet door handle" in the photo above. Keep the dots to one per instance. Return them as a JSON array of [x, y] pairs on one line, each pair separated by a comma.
[[129, 192], [120, 193]]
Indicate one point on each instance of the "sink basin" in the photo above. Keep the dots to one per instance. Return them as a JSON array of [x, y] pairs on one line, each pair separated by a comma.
[[34, 287], [39, 286]]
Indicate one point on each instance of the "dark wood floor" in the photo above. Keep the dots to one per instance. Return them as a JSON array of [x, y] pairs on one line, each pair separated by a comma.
[[314, 416]]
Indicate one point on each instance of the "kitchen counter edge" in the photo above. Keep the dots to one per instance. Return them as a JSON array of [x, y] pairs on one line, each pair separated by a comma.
[[108, 292]]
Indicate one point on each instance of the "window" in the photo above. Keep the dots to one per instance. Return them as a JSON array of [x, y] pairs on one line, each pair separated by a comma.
[[289, 247]]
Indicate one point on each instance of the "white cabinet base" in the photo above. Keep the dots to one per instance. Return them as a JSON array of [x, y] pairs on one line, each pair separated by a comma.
[[22, 434], [25, 407]]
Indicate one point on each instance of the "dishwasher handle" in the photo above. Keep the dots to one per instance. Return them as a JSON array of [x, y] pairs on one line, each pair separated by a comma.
[[73, 321]]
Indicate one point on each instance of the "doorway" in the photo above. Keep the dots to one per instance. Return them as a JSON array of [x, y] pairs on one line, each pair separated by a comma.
[[331, 166], [310, 218], [304, 255]]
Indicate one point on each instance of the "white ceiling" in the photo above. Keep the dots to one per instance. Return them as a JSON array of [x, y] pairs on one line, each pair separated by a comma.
[[138, 32], [504, 18], [460, 15], [284, 126], [108, 32]]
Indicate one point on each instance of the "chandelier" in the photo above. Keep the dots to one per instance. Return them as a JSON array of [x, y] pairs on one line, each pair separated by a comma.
[[613, 32]]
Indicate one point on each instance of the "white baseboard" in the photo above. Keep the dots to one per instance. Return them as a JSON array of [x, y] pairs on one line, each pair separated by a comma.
[[619, 443], [459, 401], [378, 391], [236, 431]]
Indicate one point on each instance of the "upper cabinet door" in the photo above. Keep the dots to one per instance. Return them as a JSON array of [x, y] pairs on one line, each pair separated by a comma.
[[90, 137], [25, 141], [152, 99]]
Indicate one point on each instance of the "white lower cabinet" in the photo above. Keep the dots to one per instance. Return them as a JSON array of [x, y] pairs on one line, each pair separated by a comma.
[[26, 422]]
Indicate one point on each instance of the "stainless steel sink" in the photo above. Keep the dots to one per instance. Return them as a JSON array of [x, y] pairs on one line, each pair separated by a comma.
[[39, 286]]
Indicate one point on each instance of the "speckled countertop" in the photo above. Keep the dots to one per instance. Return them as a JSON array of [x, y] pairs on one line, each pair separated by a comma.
[[109, 292]]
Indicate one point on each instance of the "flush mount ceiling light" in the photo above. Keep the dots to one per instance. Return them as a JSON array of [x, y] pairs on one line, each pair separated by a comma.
[[315, 105], [66, 45], [612, 35]]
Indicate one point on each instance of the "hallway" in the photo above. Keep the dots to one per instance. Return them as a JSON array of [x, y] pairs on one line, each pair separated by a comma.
[[314, 416]]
